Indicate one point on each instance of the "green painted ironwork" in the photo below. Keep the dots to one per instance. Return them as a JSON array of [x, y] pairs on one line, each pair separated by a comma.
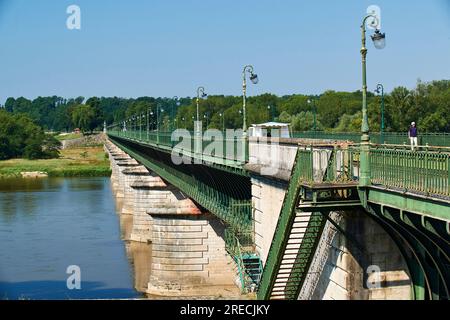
[[226, 150], [398, 138], [305, 255], [409, 181], [241, 248], [302, 169], [424, 172], [237, 213], [328, 164], [431, 255]]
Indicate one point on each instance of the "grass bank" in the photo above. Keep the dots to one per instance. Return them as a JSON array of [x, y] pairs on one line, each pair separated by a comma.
[[69, 136], [76, 162]]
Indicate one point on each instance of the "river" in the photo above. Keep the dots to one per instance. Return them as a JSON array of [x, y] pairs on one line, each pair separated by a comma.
[[48, 225]]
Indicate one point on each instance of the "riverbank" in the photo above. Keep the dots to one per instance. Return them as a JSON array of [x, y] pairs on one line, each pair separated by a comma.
[[74, 162]]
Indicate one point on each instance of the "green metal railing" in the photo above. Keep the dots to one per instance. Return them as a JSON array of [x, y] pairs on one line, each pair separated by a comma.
[[328, 164], [241, 248], [303, 161], [235, 212], [228, 149], [399, 138], [426, 171]]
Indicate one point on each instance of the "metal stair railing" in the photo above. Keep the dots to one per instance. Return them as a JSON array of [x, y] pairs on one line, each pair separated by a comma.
[[302, 168], [246, 274], [303, 171]]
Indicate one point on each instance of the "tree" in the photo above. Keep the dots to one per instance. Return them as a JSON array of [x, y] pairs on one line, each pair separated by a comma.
[[304, 121], [21, 137], [83, 117]]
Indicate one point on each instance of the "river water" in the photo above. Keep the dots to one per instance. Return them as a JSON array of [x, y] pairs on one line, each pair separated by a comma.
[[48, 225]]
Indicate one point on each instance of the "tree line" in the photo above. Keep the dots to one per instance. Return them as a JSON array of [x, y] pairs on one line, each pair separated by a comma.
[[428, 105], [20, 137]]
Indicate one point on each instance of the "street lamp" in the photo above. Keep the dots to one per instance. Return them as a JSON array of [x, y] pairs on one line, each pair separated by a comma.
[[141, 116], [161, 111], [198, 145], [200, 94], [177, 104], [314, 110], [380, 90], [379, 40], [271, 113], [222, 116], [133, 124], [153, 121], [205, 116], [148, 124], [254, 79]]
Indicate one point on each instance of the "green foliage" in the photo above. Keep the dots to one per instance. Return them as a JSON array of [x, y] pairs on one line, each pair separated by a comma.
[[304, 121], [428, 105], [285, 117], [84, 117], [21, 137], [349, 123]]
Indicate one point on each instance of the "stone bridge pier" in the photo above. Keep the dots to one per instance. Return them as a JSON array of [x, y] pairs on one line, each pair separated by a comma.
[[188, 256]]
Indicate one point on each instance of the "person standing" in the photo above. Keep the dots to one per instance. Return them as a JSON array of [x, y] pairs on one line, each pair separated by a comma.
[[412, 134]]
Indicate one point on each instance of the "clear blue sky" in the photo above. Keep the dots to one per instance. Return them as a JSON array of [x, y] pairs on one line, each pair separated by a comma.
[[169, 47]]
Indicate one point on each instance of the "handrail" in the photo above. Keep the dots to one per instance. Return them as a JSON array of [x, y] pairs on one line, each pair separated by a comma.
[[432, 138], [234, 151], [405, 146], [422, 172]]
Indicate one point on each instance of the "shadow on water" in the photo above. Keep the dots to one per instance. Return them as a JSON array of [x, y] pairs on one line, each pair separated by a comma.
[[57, 290]]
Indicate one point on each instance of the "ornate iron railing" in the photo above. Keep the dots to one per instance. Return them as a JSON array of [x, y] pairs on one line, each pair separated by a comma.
[[328, 164], [431, 139], [230, 149], [241, 247], [425, 171]]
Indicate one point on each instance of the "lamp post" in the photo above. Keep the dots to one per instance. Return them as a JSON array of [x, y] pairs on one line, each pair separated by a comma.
[[271, 113], [148, 123], [379, 40], [254, 79], [380, 90], [222, 116], [207, 120], [200, 94], [161, 117], [153, 121], [177, 104], [158, 115], [140, 126], [312, 102]]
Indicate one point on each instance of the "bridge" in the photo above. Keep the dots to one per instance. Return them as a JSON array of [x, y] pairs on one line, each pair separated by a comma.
[[282, 203]]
